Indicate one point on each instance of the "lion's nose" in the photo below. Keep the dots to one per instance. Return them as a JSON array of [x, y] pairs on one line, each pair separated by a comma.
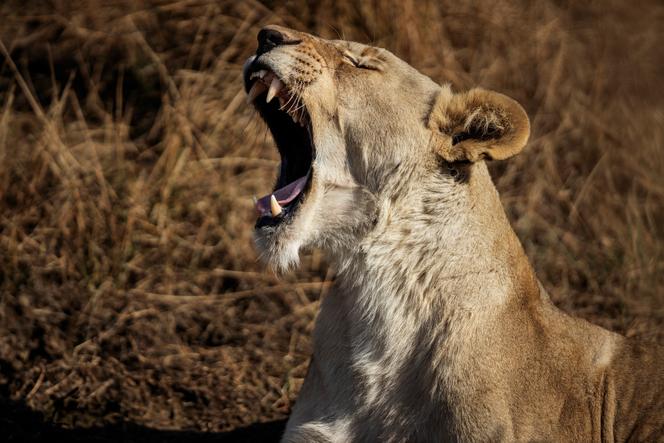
[[272, 36], [269, 39]]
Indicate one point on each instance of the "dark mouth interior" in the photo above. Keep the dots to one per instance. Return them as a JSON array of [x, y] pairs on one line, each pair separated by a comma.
[[294, 144], [293, 141]]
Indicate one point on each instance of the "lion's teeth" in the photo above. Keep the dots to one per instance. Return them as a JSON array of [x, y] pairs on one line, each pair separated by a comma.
[[295, 117], [256, 90], [274, 89], [262, 73], [282, 102], [275, 208]]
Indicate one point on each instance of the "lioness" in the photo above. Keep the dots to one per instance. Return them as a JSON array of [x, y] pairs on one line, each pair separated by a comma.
[[437, 328]]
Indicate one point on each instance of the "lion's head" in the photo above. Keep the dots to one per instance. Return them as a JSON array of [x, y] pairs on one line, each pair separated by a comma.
[[357, 128]]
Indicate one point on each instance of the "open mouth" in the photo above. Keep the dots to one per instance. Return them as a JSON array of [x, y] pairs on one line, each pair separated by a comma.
[[285, 114]]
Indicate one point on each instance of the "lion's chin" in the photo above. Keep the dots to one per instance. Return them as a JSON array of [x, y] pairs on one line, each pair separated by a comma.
[[280, 251], [280, 239]]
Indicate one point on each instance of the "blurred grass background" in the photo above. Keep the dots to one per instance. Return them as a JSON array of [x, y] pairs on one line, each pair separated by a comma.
[[130, 289]]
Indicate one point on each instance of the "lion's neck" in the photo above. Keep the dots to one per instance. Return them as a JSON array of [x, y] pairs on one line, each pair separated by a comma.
[[437, 260], [457, 250]]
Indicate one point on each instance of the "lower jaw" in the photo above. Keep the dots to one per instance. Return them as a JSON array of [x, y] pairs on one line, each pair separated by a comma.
[[290, 212], [285, 218]]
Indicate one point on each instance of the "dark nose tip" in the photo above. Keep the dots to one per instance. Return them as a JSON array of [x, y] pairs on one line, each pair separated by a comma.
[[269, 39]]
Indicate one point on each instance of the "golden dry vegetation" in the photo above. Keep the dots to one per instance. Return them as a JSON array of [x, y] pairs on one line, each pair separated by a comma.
[[130, 289]]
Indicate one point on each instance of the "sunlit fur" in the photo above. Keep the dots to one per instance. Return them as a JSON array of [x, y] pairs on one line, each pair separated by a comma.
[[437, 328]]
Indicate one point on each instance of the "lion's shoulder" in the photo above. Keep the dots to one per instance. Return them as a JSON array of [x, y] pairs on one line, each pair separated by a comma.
[[634, 390]]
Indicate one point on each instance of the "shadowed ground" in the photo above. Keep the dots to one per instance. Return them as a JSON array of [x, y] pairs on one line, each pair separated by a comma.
[[19, 424]]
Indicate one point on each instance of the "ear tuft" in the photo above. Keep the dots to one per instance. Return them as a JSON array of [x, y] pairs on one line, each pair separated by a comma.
[[477, 125]]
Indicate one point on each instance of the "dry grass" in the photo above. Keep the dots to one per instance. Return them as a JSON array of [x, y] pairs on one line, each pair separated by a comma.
[[129, 284]]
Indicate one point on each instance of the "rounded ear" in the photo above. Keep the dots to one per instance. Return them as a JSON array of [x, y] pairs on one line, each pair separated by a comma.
[[476, 125]]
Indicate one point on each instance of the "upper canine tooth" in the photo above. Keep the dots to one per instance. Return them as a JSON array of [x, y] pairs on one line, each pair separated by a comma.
[[255, 91], [262, 73], [275, 207], [274, 89]]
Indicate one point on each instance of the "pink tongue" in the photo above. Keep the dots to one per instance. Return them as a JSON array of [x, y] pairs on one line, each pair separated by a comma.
[[283, 195]]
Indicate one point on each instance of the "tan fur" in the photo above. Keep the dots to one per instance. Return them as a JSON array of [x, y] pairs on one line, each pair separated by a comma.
[[437, 328]]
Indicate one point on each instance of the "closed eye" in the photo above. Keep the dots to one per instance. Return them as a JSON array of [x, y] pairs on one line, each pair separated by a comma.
[[351, 59], [361, 62]]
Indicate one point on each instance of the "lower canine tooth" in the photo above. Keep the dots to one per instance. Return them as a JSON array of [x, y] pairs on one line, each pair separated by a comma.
[[275, 208], [274, 89]]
